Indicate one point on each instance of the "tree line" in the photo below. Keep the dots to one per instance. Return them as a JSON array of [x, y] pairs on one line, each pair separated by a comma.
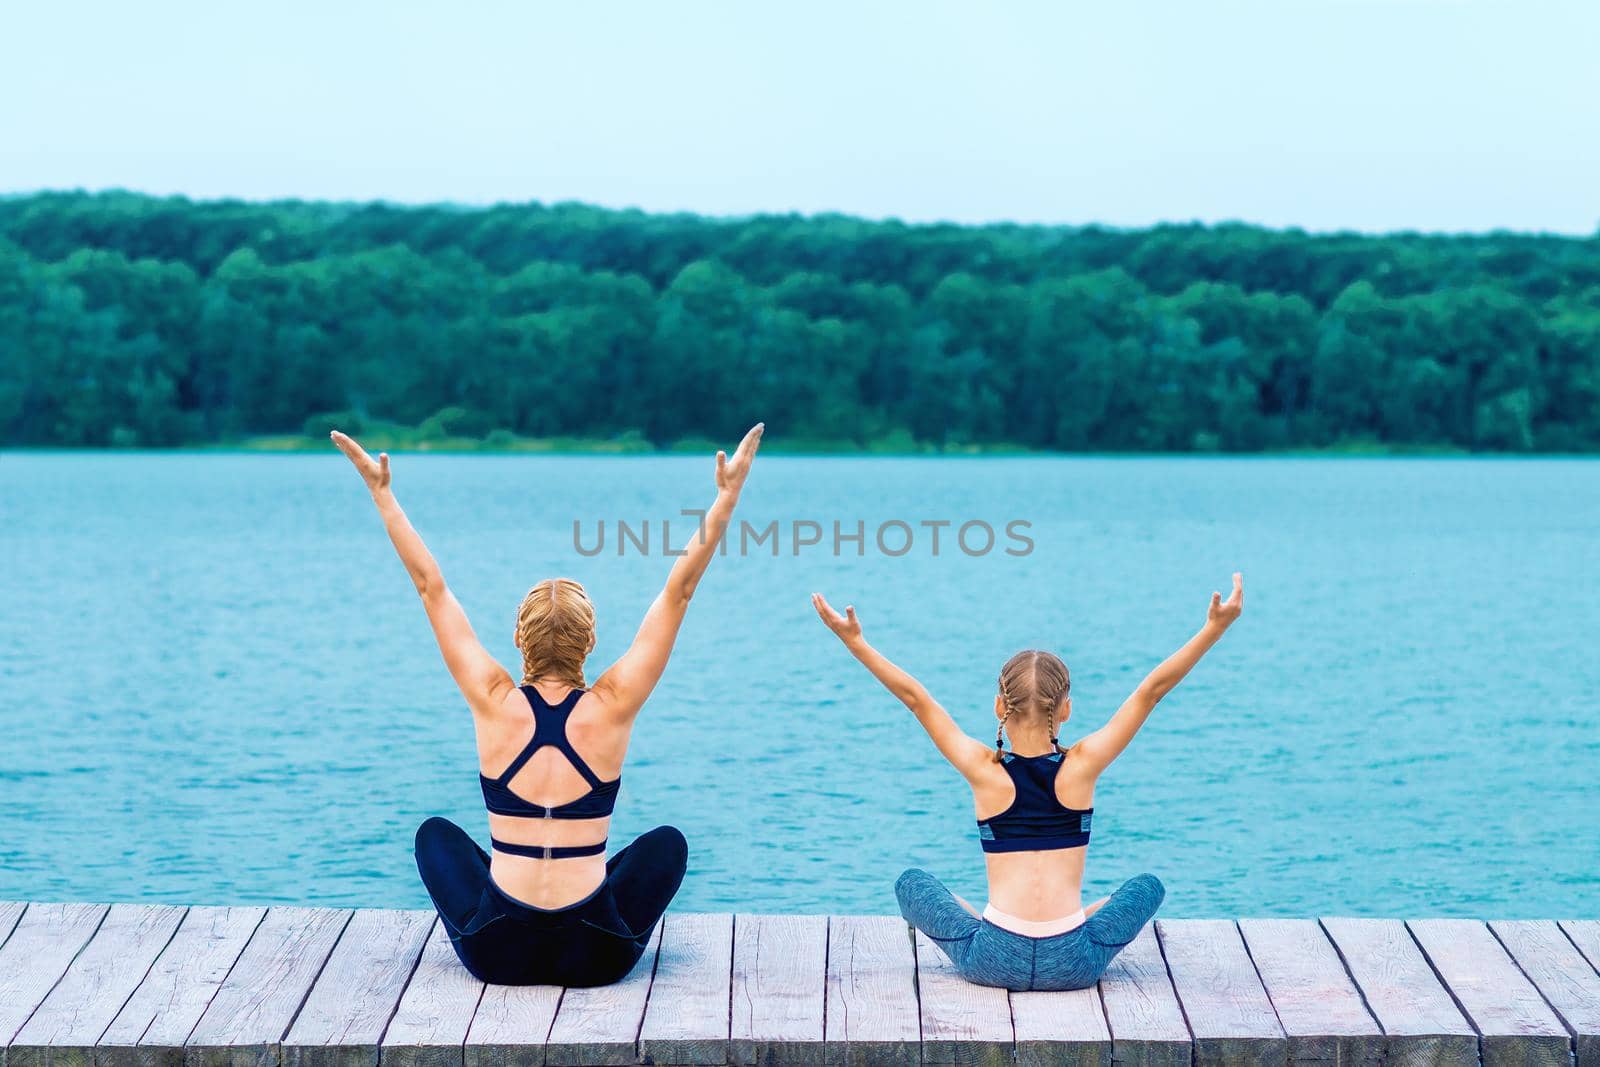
[[130, 320]]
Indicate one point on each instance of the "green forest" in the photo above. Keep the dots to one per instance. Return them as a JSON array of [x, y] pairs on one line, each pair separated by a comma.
[[136, 321]]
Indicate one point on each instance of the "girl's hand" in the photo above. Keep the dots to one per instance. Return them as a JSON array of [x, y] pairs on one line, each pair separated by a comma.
[[731, 473], [1222, 613], [375, 472], [847, 627]]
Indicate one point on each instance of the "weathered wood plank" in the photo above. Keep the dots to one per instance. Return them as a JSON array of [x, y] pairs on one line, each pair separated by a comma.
[[152, 1026], [1585, 933], [1516, 1025], [244, 1024], [686, 1020], [962, 1023], [600, 1026], [1066, 1027], [780, 984], [431, 1022], [10, 913], [1419, 1018], [1142, 1011], [44, 942], [1561, 973], [510, 1026], [1318, 1005], [871, 1015], [64, 1028], [1228, 1011], [343, 1018]]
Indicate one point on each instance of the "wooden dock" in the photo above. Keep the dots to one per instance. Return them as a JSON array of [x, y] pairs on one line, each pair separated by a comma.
[[126, 985]]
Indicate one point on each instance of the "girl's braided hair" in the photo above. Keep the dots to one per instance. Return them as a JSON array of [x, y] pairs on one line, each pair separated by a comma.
[[1032, 683]]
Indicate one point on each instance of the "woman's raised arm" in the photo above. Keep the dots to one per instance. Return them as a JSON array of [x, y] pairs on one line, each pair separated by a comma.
[[966, 754], [1106, 744], [626, 685], [481, 680]]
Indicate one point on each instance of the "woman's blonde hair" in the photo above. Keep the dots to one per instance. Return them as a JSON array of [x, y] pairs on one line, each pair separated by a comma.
[[555, 631], [1032, 684]]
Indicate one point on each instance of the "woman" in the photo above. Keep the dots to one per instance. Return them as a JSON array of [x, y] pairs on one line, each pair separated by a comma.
[[1033, 805], [547, 907]]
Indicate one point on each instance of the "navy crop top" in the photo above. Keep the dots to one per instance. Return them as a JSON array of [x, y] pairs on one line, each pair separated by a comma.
[[1036, 821], [549, 729]]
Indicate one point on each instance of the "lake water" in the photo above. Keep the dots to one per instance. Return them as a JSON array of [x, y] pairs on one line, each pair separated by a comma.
[[217, 686]]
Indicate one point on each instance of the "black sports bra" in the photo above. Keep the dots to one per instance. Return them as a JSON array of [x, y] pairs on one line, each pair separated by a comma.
[[1036, 821], [549, 729]]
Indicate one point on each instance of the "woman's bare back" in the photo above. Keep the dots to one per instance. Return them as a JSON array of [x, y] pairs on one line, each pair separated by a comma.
[[550, 780]]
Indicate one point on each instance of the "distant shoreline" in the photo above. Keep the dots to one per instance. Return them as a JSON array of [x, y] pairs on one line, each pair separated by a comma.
[[149, 321], [633, 445]]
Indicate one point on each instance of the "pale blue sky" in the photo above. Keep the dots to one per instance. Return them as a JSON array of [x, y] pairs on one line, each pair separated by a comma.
[[1365, 114]]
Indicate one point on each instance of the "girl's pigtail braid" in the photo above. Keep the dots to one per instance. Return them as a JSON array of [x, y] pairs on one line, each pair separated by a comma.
[[1000, 731], [1055, 742]]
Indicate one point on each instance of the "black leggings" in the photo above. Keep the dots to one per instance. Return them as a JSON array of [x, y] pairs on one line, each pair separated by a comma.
[[593, 942]]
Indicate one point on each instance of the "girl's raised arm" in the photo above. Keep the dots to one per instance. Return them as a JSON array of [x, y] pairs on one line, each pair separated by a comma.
[[481, 680], [1106, 744], [628, 682], [965, 754]]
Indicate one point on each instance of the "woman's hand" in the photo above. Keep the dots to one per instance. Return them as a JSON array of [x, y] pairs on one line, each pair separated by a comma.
[[731, 473], [847, 627], [1223, 613], [375, 472]]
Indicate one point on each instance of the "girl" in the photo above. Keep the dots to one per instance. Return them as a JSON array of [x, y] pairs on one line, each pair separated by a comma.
[[1033, 805], [547, 907]]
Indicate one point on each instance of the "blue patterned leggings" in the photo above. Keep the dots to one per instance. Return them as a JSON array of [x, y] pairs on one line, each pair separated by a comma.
[[988, 955]]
